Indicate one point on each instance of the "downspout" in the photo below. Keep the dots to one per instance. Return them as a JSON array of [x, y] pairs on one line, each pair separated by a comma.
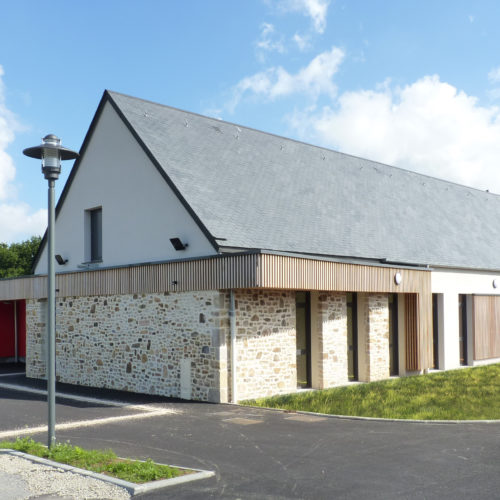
[[232, 327]]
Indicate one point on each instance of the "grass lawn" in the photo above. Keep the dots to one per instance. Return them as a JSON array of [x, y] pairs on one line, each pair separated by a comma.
[[104, 462], [465, 394]]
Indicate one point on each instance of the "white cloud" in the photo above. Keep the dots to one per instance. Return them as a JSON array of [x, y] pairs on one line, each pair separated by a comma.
[[17, 220], [313, 80], [7, 127], [315, 9], [302, 41], [428, 126], [213, 112], [494, 75], [268, 41]]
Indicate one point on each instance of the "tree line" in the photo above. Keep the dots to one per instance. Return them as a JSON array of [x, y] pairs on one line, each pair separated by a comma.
[[16, 259]]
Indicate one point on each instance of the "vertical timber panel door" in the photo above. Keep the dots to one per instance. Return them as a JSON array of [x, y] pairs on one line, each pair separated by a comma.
[[411, 330]]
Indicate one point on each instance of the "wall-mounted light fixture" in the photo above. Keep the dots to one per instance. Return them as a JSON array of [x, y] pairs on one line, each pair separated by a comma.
[[60, 260], [495, 283], [398, 278], [177, 244]]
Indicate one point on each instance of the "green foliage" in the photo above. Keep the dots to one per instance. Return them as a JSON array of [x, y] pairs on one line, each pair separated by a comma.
[[16, 259], [465, 394], [141, 472], [102, 461], [26, 445]]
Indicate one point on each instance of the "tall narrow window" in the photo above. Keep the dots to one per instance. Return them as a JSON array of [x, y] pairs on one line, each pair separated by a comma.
[[303, 338], [94, 234], [462, 328], [435, 329], [393, 334], [352, 337]]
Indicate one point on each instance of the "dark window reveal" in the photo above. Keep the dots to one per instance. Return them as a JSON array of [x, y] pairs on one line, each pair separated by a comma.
[[96, 234]]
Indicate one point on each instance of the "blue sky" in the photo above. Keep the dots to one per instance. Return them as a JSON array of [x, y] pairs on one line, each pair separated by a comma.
[[415, 84]]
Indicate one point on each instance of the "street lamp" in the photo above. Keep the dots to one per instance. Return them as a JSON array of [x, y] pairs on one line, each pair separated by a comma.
[[51, 153]]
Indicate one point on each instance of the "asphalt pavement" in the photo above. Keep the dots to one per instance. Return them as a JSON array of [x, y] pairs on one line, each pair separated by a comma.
[[268, 454]]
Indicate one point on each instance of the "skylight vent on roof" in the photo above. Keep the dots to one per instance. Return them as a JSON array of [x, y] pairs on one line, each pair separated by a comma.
[[216, 128], [186, 124]]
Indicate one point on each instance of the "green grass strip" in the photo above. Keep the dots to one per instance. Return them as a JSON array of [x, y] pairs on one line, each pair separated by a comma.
[[465, 394], [104, 462]]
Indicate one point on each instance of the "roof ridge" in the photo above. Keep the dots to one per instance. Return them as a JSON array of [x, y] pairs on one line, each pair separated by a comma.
[[297, 141]]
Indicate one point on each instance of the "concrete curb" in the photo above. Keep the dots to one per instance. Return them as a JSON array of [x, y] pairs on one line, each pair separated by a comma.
[[371, 419], [133, 488]]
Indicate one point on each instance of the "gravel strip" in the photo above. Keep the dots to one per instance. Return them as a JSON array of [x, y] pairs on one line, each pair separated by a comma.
[[47, 480]]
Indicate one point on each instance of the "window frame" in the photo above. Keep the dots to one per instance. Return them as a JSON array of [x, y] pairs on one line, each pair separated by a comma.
[[93, 235]]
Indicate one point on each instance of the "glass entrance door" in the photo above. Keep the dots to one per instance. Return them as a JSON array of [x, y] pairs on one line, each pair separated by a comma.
[[303, 337]]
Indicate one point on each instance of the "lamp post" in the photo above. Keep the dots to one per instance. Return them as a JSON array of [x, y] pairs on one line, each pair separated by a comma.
[[51, 153]]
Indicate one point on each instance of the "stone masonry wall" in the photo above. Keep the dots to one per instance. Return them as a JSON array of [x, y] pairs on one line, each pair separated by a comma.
[[332, 339], [266, 345], [36, 323], [166, 343], [376, 342], [178, 344]]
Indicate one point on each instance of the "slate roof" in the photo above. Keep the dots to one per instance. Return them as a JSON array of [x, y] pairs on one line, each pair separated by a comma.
[[258, 190]]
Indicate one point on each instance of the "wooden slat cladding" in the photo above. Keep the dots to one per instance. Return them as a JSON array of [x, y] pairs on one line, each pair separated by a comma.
[[284, 272], [486, 326], [254, 270], [411, 330], [425, 332], [204, 274], [231, 271]]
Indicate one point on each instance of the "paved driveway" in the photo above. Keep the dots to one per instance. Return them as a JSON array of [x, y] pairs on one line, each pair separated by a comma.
[[270, 454]]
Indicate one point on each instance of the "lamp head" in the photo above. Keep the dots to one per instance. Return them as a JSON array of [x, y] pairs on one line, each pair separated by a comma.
[[51, 153]]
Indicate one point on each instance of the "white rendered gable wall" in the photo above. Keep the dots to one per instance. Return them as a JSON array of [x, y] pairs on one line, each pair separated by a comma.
[[140, 213]]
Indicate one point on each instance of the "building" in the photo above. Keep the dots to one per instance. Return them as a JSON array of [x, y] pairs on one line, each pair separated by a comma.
[[205, 260]]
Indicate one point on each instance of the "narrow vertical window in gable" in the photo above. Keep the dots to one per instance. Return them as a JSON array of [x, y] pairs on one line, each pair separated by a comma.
[[93, 235]]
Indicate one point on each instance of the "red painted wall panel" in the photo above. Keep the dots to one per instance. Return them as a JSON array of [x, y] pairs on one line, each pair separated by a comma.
[[7, 333], [21, 328]]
